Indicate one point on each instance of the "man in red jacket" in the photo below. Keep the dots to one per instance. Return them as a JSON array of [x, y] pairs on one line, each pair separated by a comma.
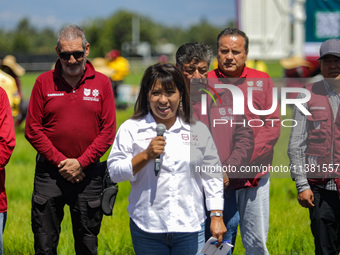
[[314, 152], [71, 123], [7, 138], [234, 143], [253, 198]]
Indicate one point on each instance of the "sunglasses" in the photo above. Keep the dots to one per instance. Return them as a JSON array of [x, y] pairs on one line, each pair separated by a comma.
[[67, 55]]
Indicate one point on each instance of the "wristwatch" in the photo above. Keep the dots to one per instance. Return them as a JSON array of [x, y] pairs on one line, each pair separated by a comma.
[[217, 214]]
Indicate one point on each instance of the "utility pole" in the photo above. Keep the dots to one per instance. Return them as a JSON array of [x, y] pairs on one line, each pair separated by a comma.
[[299, 17], [135, 31]]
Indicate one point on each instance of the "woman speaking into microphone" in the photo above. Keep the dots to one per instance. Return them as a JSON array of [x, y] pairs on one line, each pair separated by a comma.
[[166, 201]]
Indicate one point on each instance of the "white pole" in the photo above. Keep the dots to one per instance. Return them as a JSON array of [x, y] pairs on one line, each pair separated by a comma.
[[299, 15], [135, 31]]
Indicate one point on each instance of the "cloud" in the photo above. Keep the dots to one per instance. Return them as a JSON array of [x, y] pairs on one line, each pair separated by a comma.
[[8, 16], [9, 19], [50, 21]]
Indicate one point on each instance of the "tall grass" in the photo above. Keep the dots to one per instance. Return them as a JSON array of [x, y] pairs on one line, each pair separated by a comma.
[[114, 237], [289, 231]]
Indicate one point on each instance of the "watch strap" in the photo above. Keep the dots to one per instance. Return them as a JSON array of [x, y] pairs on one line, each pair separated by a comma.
[[217, 214]]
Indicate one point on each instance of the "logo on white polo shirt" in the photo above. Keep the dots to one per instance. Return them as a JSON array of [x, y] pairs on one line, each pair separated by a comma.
[[185, 137], [195, 137], [87, 93]]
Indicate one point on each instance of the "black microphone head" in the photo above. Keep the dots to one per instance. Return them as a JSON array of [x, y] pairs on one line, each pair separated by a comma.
[[160, 129]]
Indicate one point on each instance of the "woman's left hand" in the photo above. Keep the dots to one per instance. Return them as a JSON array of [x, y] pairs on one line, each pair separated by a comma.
[[217, 229]]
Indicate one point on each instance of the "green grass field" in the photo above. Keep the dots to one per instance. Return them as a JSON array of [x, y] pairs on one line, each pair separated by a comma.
[[289, 231]]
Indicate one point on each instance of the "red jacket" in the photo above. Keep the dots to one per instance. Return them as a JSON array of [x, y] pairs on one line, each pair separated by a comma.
[[7, 143], [64, 122], [234, 143], [322, 138], [266, 136]]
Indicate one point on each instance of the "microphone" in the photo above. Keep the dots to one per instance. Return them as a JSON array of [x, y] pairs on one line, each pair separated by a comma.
[[160, 129]]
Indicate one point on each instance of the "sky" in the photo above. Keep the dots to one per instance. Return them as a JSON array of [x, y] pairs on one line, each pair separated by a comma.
[[55, 14]]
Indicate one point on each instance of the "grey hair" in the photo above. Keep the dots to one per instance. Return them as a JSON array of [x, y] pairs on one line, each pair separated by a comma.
[[196, 51], [71, 32]]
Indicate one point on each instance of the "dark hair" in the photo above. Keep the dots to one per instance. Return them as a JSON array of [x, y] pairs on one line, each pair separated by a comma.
[[196, 51], [234, 31], [170, 77]]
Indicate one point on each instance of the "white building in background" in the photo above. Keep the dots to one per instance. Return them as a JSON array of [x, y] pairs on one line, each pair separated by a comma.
[[267, 24], [280, 28]]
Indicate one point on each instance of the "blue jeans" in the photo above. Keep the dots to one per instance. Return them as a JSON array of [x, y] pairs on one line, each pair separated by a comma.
[[201, 239], [253, 206], [173, 243], [3, 219], [231, 218]]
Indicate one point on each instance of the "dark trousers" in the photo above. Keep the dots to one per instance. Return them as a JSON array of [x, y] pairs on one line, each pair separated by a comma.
[[115, 85], [51, 193], [325, 221]]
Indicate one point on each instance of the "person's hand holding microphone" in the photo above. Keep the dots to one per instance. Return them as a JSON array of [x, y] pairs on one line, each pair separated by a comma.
[[153, 151]]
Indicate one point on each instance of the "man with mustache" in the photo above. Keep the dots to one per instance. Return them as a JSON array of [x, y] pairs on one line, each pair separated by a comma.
[[234, 144], [253, 198], [71, 123]]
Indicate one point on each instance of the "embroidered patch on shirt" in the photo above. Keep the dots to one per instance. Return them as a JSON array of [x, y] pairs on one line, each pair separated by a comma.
[[55, 94], [87, 93], [250, 83], [317, 108]]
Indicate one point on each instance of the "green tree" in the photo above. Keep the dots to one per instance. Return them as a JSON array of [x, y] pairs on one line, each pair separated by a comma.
[[23, 34], [175, 35], [113, 32], [105, 34], [93, 30], [5, 41], [204, 32], [44, 42]]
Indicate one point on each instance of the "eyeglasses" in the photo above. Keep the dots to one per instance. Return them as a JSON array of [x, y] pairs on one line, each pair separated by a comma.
[[67, 55]]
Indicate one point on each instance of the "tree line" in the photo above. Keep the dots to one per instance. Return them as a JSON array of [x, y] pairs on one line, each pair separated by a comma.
[[105, 34]]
